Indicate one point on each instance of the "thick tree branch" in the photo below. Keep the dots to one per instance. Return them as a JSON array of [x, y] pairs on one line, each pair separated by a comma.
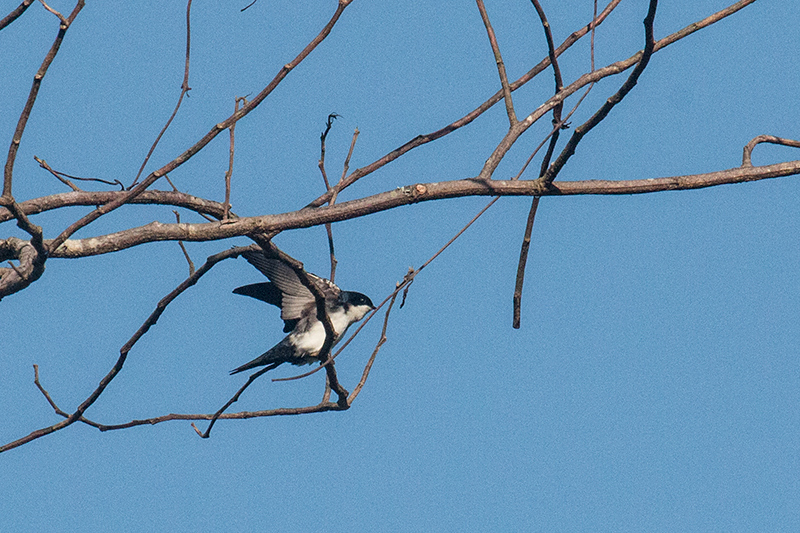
[[407, 195], [90, 198], [15, 13]]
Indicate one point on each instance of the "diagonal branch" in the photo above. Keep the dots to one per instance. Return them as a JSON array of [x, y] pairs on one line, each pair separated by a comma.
[[615, 68], [208, 137], [123, 355], [615, 99], [37, 83], [420, 140], [15, 13], [501, 67]]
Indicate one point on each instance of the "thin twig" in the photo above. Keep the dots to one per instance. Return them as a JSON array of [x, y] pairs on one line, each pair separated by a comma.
[[56, 408], [64, 21], [8, 171], [558, 124], [235, 398], [62, 176], [64, 180], [748, 149], [184, 90], [381, 342], [229, 172], [151, 320], [609, 104], [322, 138], [321, 164], [207, 138], [183, 248], [501, 67], [523, 260], [420, 140]]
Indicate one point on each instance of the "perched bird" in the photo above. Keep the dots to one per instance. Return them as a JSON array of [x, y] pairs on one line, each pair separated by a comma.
[[299, 311]]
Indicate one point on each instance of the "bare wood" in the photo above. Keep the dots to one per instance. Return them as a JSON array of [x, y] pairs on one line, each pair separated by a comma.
[[410, 194]]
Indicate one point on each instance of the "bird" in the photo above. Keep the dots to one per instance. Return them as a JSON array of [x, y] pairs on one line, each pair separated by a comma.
[[299, 311]]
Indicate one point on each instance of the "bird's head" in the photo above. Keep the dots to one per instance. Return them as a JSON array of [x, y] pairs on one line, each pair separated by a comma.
[[359, 304]]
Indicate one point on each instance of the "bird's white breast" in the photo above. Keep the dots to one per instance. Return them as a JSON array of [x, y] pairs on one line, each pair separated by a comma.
[[311, 340]]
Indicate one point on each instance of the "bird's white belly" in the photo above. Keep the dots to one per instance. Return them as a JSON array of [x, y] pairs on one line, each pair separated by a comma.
[[311, 341]]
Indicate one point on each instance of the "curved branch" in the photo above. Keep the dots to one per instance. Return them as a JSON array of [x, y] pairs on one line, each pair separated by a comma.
[[747, 153], [615, 68]]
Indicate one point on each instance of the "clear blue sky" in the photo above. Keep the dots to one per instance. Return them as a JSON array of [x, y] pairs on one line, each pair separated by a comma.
[[654, 385]]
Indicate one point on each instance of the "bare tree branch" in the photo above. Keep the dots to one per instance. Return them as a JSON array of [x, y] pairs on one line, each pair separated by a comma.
[[207, 138], [26, 111], [184, 90], [123, 355], [26, 259], [501, 67], [15, 13], [748, 149], [615, 99], [420, 140], [89, 198], [557, 125], [410, 194]]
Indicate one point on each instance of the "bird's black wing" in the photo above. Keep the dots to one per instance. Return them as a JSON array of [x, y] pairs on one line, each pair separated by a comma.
[[296, 300], [266, 292]]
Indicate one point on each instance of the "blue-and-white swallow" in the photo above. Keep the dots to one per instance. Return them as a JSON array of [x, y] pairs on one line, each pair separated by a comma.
[[299, 311]]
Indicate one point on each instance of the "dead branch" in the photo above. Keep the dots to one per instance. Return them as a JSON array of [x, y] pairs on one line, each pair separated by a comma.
[[410, 194]]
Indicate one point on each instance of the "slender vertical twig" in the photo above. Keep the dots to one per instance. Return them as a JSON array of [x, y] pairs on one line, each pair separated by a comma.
[[558, 124], [183, 247], [328, 229], [501, 67], [184, 89], [231, 151]]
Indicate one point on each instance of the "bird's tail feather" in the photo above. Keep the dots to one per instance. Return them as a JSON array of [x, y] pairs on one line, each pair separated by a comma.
[[280, 353]]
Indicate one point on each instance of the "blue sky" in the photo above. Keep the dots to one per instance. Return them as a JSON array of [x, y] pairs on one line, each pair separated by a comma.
[[654, 385]]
